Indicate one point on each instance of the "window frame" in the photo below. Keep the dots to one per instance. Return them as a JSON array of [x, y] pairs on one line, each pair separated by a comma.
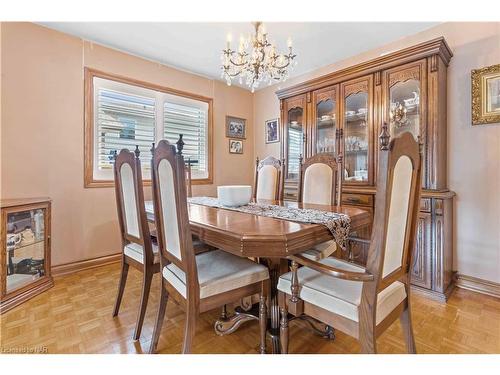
[[89, 126]]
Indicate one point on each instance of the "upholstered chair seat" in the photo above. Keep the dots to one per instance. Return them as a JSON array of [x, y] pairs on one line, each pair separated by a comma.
[[320, 251], [218, 272], [135, 251], [340, 296]]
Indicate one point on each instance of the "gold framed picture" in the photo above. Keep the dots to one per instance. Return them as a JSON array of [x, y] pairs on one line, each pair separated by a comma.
[[235, 127], [485, 95], [235, 146]]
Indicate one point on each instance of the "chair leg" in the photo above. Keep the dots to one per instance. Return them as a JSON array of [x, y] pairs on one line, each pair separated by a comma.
[[368, 343], [284, 330], [190, 328], [146, 286], [159, 318], [121, 288], [405, 319], [262, 322]]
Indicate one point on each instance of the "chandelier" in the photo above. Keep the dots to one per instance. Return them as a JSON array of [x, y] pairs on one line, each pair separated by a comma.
[[259, 64]]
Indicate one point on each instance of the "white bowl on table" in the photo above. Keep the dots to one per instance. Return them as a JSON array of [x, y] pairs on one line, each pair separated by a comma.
[[234, 195]]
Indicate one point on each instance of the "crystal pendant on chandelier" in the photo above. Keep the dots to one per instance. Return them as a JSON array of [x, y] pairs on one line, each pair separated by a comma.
[[259, 64]]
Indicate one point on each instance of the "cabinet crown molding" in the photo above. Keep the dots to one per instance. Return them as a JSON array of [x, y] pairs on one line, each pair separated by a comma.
[[434, 47]]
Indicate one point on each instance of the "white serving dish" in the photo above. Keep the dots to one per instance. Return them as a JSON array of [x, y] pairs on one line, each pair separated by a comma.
[[234, 195]]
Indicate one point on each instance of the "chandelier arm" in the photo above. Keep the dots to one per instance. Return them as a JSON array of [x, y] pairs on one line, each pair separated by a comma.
[[231, 75], [237, 64], [288, 58]]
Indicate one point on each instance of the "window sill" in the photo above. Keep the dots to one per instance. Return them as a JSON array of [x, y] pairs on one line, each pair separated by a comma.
[[111, 183]]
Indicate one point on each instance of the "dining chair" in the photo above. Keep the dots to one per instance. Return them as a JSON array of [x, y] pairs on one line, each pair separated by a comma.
[[364, 301], [199, 246], [268, 179], [138, 249], [197, 283], [320, 183]]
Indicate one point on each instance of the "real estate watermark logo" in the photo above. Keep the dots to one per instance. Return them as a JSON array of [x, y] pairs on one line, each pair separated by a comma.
[[24, 350]]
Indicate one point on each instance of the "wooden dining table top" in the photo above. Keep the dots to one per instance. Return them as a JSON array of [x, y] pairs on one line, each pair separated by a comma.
[[250, 235]]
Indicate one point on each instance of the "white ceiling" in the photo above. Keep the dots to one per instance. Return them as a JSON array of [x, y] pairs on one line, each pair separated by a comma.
[[196, 47]]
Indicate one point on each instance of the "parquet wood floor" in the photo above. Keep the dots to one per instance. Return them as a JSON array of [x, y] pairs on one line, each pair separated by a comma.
[[75, 317]]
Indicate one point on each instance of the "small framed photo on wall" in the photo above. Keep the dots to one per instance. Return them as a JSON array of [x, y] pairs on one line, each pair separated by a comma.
[[272, 130], [235, 146], [235, 127], [486, 95]]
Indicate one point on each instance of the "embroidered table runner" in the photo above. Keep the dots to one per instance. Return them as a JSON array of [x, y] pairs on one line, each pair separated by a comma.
[[338, 224]]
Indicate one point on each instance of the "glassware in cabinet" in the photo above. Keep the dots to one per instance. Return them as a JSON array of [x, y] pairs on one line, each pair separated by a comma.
[[325, 120], [357, 108]]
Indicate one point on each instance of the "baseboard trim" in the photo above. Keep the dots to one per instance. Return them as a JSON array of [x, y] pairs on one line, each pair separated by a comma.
[[475, 284], [67, 268], [437, 296]]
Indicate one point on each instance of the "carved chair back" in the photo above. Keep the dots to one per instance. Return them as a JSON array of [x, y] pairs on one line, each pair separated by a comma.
[[130, 202], [396, 211], [320, 180], [189, 187], [171, 213], [268, 178]]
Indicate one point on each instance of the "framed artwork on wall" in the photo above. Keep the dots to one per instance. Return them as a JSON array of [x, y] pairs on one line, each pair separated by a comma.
[[235, 146], [272, 130], [485, 88], [235, 127]]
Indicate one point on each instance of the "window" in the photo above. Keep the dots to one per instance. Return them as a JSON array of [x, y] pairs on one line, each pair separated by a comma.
[[294, 151], [188, 117], [122, 113]]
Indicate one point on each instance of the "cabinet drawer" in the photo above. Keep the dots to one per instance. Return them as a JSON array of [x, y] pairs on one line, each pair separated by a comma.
[[357, 199]]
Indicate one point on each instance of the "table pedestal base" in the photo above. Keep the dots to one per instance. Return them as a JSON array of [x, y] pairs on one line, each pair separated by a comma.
[[316, 326], [226, 325]]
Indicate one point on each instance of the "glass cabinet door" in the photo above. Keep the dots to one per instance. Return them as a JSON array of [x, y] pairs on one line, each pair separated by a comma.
[[357, 130], [404, 95], [25, 247], [326, 121], [295, 142]]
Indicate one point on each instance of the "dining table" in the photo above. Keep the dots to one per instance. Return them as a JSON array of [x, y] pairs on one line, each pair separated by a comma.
[[270, 241]]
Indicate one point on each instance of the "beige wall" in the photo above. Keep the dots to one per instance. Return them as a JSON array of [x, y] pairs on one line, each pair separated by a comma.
[[41, 146], [42, 131], [473, 152]]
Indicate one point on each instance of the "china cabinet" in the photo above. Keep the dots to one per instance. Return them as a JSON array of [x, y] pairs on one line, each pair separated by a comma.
[[25, 250], [342, 112]]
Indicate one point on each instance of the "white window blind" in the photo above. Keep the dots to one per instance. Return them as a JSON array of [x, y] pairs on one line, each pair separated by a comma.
[[189, 118], [126, 115], [294, 150], [123, 120]]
